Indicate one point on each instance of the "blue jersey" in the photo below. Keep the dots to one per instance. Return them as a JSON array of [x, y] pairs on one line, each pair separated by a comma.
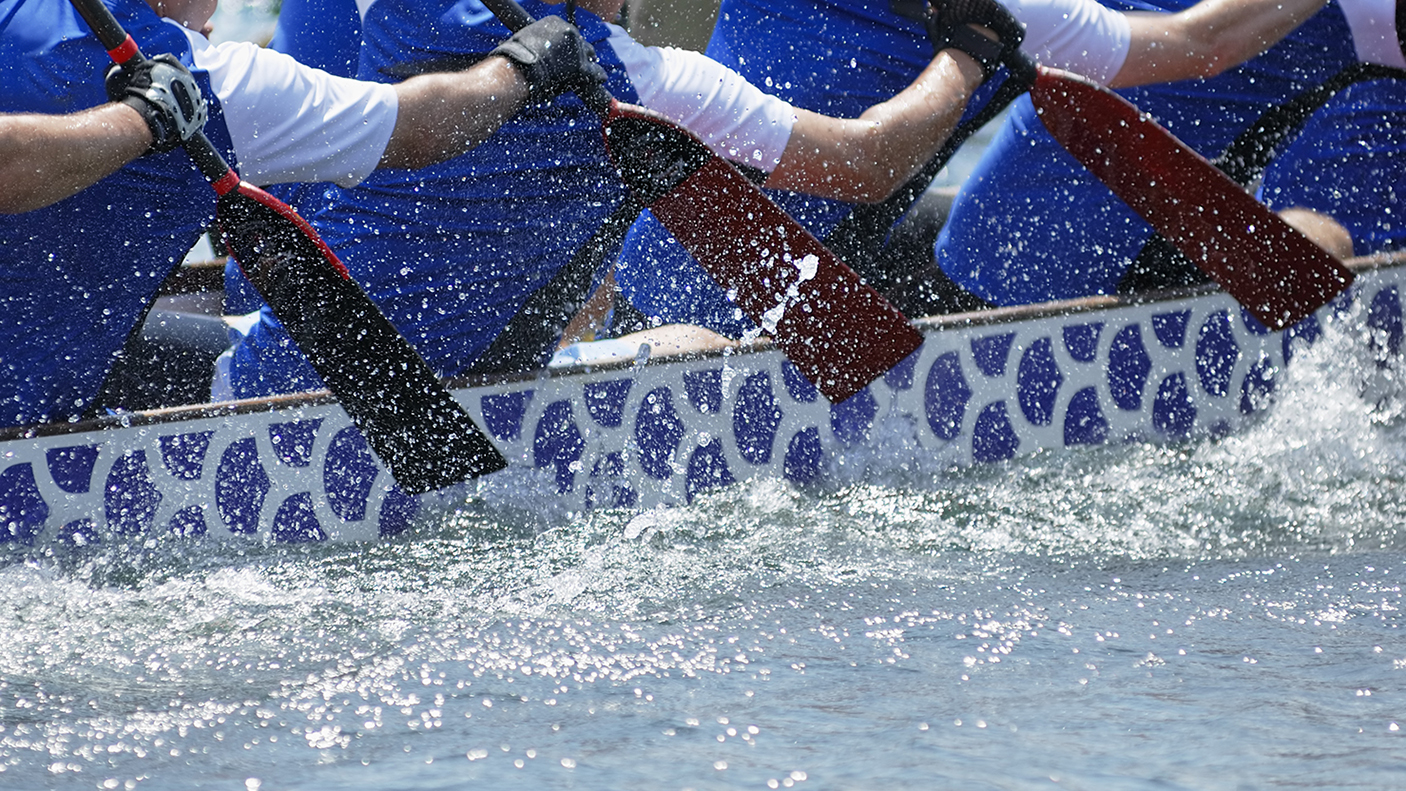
[[325, 34], [835, 57], [1350, 164], [76, 277], [450, 252], [1032, 225]]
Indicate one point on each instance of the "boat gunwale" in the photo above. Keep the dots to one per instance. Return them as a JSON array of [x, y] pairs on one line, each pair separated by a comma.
[[927, 325]]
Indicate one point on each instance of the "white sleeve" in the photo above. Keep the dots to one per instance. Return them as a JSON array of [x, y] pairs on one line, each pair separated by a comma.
[[730, 115], [291, 122], [1077, 35], [1374, 33]]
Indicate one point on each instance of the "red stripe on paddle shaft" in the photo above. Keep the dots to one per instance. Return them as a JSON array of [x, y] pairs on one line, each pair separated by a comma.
[[286, 212], [124, 52], [838, 331], [225, 183], [1273, 270]]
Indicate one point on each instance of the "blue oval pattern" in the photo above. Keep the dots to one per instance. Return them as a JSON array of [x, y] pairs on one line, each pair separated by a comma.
[[130, 496], [1037, 382], [945, 396], [1084, 423], [657, 432], [241, 484], [1173, 413], [755, 419], [1216, 354], [1128, 367], [23, 511]]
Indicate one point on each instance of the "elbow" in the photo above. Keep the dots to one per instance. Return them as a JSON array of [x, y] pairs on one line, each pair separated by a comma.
[[875, 184], [1219, 55], [19, 201]]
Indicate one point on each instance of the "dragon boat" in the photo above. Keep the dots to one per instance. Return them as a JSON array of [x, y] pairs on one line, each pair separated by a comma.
[[626, 425]]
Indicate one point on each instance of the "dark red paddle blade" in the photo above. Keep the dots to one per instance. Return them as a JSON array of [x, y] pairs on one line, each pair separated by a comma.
[[407, 416], [1273, 270], [839, 332]]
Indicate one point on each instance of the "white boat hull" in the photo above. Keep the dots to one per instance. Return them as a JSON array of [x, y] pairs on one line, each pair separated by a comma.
[[983, 388]]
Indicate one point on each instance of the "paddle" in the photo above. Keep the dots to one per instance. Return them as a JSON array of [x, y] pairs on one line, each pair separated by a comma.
[[840, 333], [412, 423], [1269, 267], [1159, 265]]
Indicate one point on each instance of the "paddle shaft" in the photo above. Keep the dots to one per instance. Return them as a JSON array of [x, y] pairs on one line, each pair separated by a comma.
[[407, 417], [125, 53], [862, 236]]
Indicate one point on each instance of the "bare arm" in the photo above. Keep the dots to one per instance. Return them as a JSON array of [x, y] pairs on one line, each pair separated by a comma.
[[46, 158], [444, 115], [1207, 38], [865, 159]]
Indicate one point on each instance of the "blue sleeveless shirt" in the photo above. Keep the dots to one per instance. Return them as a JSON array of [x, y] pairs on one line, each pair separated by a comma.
[[450, 252], [1032, 225], [77, 277]]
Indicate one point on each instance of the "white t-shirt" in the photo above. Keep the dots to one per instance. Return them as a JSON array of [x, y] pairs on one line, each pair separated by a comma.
[[1077, 35], [290, 122], [1374, 33], [741, 122], [731, 116]]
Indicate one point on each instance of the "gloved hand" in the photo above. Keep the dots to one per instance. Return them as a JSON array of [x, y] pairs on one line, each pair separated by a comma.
[[166, 95], [553, 58], [949, 21]]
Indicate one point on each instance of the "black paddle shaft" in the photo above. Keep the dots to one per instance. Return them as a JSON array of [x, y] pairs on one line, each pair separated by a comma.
[[406, 415]]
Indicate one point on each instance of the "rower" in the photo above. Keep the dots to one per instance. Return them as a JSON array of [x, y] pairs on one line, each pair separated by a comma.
[[1031, 225], [79, 274], [456, 253], [834, 56]]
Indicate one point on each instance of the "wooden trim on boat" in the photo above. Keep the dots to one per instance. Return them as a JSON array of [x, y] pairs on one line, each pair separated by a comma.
[[677, 350]]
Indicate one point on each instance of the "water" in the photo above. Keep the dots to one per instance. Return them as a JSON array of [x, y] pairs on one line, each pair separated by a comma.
[[1221, 615], [1217, 615]]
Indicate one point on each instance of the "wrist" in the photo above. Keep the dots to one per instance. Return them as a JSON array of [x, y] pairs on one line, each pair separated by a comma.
[[508, 77]]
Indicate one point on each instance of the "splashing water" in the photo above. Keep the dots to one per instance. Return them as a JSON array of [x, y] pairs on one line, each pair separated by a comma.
[[806, 268], [1210, 615]]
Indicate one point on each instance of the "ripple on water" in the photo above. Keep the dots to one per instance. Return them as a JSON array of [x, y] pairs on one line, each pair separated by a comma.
[[1217, 614]]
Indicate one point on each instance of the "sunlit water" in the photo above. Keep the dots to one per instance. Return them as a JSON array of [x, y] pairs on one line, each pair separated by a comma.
[[1216, 615]]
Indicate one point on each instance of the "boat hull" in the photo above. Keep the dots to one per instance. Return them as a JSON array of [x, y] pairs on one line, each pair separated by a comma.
[[982, 388]]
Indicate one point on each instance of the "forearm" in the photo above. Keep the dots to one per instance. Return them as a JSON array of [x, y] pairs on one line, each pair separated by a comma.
[[1207, 38], [867, 158], [444, 115], [46, 158]]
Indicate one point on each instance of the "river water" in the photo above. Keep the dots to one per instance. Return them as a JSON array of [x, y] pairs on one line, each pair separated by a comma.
[[1214, 615]]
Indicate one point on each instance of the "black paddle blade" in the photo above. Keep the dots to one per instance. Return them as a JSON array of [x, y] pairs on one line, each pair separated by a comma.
[[412, 423]]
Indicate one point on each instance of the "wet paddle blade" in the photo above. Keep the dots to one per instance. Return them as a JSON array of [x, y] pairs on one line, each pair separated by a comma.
[[412, 423], [839, 332], [407, 416], [1277, 273]]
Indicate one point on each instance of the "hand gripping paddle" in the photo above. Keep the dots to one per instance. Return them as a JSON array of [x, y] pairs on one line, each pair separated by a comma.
[[838, 331], [412, 423]]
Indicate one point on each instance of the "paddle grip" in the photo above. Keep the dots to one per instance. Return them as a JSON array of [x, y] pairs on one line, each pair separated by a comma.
[[125, 53], [515, 17]]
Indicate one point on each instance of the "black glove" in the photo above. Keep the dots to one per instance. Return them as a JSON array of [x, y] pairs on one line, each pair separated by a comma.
[[948, 26], [553, 58], [166, 95]]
